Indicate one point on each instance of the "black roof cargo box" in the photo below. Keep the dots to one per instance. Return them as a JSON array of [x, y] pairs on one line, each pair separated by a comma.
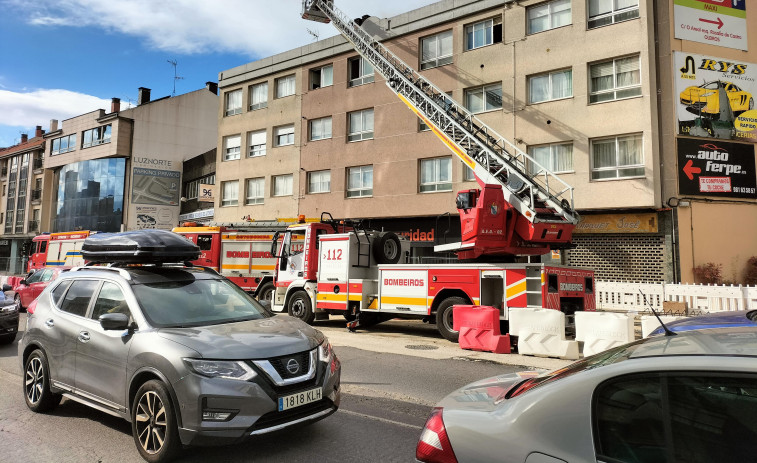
[[139, 247]]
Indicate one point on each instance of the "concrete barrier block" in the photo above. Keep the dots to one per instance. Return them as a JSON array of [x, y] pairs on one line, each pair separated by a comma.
[[600, 331], [649, 323], [541, 332]]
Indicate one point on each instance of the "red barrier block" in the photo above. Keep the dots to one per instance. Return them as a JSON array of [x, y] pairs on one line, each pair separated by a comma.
[[479, 329]]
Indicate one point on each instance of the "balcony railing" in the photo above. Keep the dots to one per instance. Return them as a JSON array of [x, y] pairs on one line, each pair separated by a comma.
[[34, 225]]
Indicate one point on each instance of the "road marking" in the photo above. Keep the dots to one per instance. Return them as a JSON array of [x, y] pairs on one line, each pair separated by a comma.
[[378, 418]]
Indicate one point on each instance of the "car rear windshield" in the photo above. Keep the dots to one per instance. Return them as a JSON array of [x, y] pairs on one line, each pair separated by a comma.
[[196, 303]]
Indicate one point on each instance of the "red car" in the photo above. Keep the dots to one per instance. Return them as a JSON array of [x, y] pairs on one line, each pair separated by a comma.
[[27, 290]]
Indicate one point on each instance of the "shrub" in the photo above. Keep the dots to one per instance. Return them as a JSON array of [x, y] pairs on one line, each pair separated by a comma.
[[751, 271], [709, 273]]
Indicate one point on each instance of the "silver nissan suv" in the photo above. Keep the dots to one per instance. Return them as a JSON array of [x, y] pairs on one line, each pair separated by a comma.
[[182, 353]]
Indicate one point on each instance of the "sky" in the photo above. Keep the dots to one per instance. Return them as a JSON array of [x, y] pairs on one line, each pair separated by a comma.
[[63, 58]]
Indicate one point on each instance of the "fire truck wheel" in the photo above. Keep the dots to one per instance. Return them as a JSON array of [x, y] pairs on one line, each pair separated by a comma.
[[266, 292], [386, 248], [300, 307], [444, 317]]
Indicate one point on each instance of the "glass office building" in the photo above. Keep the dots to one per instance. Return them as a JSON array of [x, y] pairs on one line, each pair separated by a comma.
[[90, 196]]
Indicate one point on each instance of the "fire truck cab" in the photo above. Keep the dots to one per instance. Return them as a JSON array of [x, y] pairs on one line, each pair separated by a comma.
[[57, 250]]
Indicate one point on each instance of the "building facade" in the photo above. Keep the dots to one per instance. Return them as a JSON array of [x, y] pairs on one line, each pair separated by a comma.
[[578, 84], [121, 170], [21, 206]]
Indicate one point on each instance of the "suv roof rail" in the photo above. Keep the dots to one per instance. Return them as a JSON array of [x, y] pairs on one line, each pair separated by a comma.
[[120, 271]]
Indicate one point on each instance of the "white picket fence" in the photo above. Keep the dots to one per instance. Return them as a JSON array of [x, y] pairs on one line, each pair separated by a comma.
[[614, 295]]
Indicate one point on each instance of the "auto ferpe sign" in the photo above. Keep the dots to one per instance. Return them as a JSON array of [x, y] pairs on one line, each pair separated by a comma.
[[715, 97], [716, 168]]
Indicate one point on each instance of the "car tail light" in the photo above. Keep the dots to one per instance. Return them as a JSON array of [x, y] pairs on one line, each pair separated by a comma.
[[32, 306], [434, 445]]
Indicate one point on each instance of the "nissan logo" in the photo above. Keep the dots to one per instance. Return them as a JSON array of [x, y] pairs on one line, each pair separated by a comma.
[[292, 366]]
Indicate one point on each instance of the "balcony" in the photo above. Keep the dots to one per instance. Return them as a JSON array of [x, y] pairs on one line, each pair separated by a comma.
[[33, 226], [37, 164], [37, 195]]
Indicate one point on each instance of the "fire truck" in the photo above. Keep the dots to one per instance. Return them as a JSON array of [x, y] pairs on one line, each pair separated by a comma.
[[57, 250], [521, 208], [239, 251]]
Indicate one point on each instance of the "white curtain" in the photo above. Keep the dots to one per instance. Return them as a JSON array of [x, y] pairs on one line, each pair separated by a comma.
[[282, 185], [255, 190], [602, 76], [260, 93], [629, 151], [230, 193], [598, 7], [603, 153], [539, 89], [562, 84], [628, 71]]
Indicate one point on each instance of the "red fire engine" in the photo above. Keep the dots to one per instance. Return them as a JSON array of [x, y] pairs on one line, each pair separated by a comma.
[[520, 208], [239, 251], [57, 250]]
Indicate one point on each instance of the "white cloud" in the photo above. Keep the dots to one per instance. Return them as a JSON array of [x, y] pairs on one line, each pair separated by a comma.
[[255, 28], [38, 107]]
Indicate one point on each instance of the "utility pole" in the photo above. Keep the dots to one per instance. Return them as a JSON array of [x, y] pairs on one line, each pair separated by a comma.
[[174, 63]]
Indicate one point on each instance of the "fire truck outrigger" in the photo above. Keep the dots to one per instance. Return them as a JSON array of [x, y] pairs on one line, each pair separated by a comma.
[[520, 208]]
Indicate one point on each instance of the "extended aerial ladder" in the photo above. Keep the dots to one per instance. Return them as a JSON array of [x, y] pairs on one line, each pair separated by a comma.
[[522, 207]]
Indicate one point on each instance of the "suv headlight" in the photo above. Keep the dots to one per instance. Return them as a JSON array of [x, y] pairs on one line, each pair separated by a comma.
[[221, 369], [325, 351]]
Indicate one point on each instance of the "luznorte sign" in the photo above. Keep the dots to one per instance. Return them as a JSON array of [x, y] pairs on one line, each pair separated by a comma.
[[617, 223], [715, 97], [716, 168], [715, 22]]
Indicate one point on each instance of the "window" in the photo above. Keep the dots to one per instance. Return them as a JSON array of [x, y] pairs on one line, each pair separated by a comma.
[[468, 174], [360, 125], [282, 185], [483, 33], [283, 135], [693, 417], [319, 182], [96, 136], [77, 298], [285, 86], [234, 102], [604, 12], [259, 96], [322, 77], [320, 128], [436, 50], [555, 157], [360, 71], [255, 190], [58, 291], [230, 193], [552, 86], [205, 242], [63, 145], [359, 181], [110, 300], [549, 15], [436, 175], [614, 80], [485, 98], [256, 141], [192, 190], [618, 157], [231, 147]]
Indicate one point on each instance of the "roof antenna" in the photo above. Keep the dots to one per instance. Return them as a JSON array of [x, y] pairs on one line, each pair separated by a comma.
[[315, 34], [667, 330], [174, 63]]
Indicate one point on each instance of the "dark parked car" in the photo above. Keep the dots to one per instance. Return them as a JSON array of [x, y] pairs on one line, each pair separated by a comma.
[[689, 398], [8, 318], [182, 353], [711, 320]]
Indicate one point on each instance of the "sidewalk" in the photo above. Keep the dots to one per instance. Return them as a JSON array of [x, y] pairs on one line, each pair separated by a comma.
[[418, 339]]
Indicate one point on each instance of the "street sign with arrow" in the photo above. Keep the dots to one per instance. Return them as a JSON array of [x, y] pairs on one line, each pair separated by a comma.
[[716, 168], [715, 22]]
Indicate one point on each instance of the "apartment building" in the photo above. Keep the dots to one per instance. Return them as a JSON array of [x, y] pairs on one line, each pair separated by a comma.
[[580, 85], [121, 170], [21, 177]]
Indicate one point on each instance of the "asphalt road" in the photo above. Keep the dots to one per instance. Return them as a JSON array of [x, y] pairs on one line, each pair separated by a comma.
[[386, 399]]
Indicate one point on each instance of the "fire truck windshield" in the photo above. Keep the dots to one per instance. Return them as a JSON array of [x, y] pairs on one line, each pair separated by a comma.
[[294, 243]]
